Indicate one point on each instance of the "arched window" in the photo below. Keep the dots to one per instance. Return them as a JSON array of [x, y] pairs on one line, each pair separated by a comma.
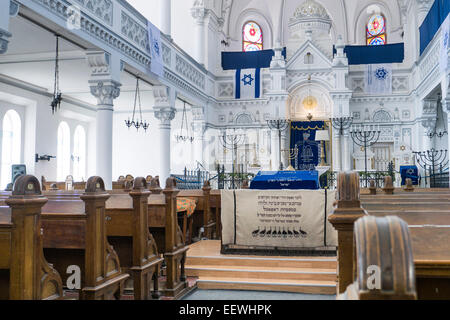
[[376, 30], [252, 37], [79, 154], [11, 145], [63, 156]]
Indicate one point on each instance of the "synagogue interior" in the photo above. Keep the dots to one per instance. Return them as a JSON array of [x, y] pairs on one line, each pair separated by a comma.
[[224, 149]]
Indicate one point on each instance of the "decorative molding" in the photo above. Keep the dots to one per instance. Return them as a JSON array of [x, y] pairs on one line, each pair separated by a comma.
[[166, 55], [105, 92], [102, 9], [93, 28], [134, 31], [13, 8], [4, 35], [165, 115], [189, 72]]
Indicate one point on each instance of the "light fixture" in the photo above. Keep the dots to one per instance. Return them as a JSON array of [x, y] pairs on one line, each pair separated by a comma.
[[57, 97], [186, 137], [136, 123]]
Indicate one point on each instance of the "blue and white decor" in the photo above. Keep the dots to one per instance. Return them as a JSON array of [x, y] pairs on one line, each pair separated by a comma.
[[154, 40], [248, 83], [378, 79]]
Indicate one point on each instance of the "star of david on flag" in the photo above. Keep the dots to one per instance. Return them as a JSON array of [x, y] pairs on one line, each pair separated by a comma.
[[378, 79], [248, 83], [154, 41]]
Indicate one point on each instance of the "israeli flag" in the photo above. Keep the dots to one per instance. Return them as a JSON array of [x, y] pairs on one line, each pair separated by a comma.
[[248, 83], [445, 44], [378, 79], [154, 40]]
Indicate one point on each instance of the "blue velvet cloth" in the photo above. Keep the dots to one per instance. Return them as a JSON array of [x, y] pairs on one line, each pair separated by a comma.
[[308, 150], [291, 180], [409, 172], [432, 22], [389, 53], [248, 60]]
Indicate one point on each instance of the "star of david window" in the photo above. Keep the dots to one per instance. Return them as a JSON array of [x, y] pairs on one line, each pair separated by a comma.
[[376, 31], [252, 37]]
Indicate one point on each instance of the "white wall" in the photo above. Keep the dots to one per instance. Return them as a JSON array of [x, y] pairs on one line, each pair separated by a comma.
[[40, 128]]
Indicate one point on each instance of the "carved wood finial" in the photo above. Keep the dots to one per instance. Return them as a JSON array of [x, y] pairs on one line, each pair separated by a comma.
[[246, 184], [139, 184], [171, 183], [154, 186], [95, 185], [348, 189], [395, 265], [27, 185], [388, 185]]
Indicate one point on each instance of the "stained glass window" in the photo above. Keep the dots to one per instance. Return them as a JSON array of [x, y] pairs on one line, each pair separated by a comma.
[[376, 30], [252, 37]]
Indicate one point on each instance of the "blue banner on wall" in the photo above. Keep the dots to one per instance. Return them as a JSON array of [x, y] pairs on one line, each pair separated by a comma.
[[303, 136], [248, 60], [432, 22], [389, 53]]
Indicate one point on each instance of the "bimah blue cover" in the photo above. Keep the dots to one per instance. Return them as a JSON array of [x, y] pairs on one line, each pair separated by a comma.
[[290, 180]]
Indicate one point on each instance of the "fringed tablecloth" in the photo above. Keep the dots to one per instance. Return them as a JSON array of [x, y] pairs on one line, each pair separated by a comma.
[[186, 204]]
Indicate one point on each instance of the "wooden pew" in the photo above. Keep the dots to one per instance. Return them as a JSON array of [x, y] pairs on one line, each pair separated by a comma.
[[430, 235], [75, 235], [128, 232], [24, 271], [164, 226], [384, 266]]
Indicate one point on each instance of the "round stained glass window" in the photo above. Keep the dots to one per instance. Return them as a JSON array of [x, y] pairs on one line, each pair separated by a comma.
[[376, 25]]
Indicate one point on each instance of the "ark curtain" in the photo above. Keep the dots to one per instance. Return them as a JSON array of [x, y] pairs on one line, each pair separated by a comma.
[[303, 135]]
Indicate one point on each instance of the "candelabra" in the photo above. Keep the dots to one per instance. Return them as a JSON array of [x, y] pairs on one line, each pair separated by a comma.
[[433, 134], [292, 154], [431, 159], [135, 122], [341, 124], [280, 125], [232, 142], [365, 137]]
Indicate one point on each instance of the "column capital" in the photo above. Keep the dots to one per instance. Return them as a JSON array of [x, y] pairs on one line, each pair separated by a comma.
[[4, 35], [198, 11], [105, 92], [165, 115]]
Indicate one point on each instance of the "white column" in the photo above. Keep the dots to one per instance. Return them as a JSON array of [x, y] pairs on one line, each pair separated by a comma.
[[199, 13], [274, 150], [105, 92], [165, 116], [166, 16], [199, 143], [336, 151], [346, 162]]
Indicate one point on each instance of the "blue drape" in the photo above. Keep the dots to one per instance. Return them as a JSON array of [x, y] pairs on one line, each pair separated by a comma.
[[389, 53], [248, 60], [432, 22], [303, 135]]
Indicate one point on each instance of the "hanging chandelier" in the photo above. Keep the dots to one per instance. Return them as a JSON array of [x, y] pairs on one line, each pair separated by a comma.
[[57, 97], [135, 122], [186, 137]]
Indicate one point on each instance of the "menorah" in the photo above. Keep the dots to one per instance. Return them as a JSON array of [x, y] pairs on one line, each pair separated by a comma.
[[342, 123], [429, 160], [232, 142], [280, 125], [292, 154], [365, 137]]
